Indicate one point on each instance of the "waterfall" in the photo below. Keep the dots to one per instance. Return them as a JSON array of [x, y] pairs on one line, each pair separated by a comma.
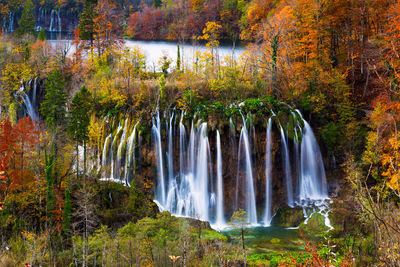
[[250, 198], [288, 174], [185, 185], [130, 154], [112, 176], [105, 152], [52, 20], [201, 183], [29, 108], [11, 22], [268, 176], [156, 132], [121, 146], [170, 149], [59, 20], [182, 146], [312, 179], [34, 93], [220, 220]]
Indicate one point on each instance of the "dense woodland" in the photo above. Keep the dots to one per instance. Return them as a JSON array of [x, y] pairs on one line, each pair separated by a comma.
[[337, 61]]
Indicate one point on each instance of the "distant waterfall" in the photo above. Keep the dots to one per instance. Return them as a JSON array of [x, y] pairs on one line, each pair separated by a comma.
[[187, 159], [268, 176], [55, 21]]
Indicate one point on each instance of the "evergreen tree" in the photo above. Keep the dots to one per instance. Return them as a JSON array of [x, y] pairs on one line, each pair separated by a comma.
[[27, 22], [50, 198], [78, 127], [86, 21], [178, 59], [157, 3], [55, 99], [42, 35], [67, 210]]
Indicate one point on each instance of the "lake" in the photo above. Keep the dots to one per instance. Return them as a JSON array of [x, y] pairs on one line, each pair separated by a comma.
[[154, 50]]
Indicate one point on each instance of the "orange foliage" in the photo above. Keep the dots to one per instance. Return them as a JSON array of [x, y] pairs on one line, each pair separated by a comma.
[[16, 144]]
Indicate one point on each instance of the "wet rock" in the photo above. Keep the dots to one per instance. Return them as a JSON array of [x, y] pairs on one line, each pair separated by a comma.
[[288, 217], [314, 225]]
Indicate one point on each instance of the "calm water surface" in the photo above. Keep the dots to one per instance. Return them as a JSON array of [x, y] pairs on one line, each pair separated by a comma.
[[154, 50]]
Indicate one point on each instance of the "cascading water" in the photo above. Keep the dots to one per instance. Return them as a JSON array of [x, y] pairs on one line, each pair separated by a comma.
[[106, 146], [112, 176], [59, 20], [288, 173], [244, 148], [312, 172], [156, 132], [121, 146], [26, 101], [130, 154], [185, 185], [220, 220], [201, 196], [268, 176]]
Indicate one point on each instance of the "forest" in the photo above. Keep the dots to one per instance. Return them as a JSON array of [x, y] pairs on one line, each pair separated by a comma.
[[282, 151]]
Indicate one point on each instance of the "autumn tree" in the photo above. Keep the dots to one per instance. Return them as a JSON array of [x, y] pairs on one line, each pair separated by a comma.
[[107, 27], [211, 34], [17, 142]]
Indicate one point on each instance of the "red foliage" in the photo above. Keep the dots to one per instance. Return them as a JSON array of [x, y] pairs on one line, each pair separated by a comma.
[[16, 141]]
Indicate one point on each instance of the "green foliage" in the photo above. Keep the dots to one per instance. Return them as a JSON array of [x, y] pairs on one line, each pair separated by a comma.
[[49, 174], [27, 23], [67, 211], [42, 35], [86, 21], [164, 64], [161, 83], [81, 104], [53, 106], [178, 59]]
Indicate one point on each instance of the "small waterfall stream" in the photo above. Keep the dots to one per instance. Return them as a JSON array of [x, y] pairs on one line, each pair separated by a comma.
[[288, 172], [220, 220], [268, 176], [244, 147]]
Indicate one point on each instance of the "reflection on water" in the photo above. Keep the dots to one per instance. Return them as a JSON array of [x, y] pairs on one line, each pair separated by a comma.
[[269, 239]]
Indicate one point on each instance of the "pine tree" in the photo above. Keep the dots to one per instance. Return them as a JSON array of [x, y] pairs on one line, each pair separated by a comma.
[[53, 106], [78, 127], [157, 3], [178, 59], [67, 210], [86, 21], [42, 35], [50, 198], [27, 23]]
